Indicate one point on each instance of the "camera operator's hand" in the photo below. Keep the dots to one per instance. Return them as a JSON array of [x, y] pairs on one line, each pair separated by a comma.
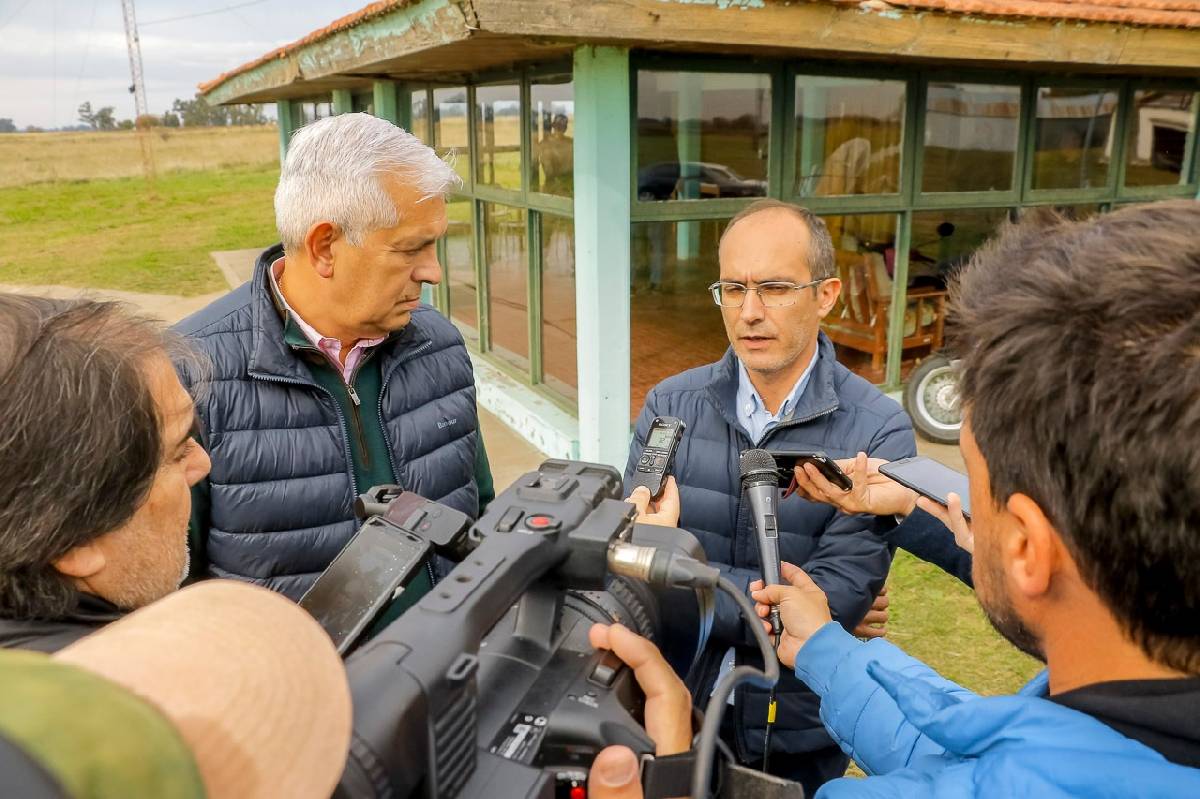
[[803, 609], [952, 517], [872, 491], [668, 703], [664, 511], [615, 775]]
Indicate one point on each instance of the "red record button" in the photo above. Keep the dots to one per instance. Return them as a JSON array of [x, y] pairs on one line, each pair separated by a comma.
[[578, 792], [541, 523]]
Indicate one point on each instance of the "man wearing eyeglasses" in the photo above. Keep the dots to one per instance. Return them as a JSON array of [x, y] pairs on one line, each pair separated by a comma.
[[778, 387]]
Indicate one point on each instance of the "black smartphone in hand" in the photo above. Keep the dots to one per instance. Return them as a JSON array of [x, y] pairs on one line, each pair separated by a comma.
[[787, 460], [930, 479]]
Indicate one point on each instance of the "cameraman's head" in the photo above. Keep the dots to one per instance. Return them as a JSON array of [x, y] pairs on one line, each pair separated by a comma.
[[1081, 384], [97, 456]]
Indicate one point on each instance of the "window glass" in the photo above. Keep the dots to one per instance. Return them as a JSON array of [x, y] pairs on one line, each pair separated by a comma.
[[507, 263], [558, 306], [450, 128], [498, 136], [971, 132], [849, 133], [1073, 137], [1159, 131], [864, 260], [312, 111], [419, 111], [1075, 212], [460, 268], [942, 241], [674, 323], [702, 135], [552, 129]]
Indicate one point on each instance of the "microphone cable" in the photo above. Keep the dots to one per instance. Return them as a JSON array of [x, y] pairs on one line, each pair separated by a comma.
[[764, 678], [771, 711]]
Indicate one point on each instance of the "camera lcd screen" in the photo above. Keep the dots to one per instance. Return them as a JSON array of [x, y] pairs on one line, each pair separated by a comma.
[[362, 579]]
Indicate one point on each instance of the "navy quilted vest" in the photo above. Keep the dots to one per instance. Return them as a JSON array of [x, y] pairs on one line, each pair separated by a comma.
[[282, 485]]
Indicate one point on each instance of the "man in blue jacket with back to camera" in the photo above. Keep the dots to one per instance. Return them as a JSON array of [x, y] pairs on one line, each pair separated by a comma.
[[779, 387], [1081, 368]]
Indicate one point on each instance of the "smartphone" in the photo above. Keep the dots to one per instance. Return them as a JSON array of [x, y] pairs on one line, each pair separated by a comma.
[[365, 576], [787, 461], [658, 456], [930, 479]]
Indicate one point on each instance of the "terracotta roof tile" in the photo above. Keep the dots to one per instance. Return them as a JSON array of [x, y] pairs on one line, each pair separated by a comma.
[[340, 24], [1153, 13]]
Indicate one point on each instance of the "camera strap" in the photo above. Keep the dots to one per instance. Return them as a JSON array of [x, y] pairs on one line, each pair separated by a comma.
[[665, 777]]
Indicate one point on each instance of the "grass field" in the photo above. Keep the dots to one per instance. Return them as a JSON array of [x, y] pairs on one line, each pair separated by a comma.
[[39, 157], [125, 234], [936, 618]]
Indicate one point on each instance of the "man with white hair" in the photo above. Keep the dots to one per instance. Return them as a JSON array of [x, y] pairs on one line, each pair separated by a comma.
[[329, 375]]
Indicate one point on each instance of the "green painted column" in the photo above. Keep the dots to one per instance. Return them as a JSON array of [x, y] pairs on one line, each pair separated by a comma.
[[689, 111], [343, 101], [812, 136], [393, 102], [602, 225], [286, 113], [386, 100]]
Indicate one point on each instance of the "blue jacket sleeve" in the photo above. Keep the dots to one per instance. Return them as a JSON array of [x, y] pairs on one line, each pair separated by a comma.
[[926, 537], [859, 714], [852, 558]]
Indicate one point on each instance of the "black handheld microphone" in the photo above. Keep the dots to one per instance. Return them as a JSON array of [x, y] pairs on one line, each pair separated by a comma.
[[760, 480]]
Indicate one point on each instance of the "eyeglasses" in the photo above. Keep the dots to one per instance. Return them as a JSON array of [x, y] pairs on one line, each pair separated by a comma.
[[775, 294]]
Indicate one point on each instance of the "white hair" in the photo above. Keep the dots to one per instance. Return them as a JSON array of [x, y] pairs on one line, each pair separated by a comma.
[[332, 174]]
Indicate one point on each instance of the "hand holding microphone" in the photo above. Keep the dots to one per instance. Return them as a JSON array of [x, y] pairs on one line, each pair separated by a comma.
[[760, 482], [803, 606]]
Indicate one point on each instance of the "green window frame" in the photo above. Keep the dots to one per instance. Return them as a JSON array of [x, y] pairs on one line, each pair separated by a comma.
[[910, 199], [534, 203]]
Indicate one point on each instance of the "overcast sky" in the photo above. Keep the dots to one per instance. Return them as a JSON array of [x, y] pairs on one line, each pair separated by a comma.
[[56, 54]]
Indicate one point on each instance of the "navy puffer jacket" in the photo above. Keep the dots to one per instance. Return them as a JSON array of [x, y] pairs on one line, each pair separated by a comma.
[[282, 484], [840, 414]]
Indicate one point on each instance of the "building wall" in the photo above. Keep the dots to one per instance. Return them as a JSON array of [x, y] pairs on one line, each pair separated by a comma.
[[911, 168]]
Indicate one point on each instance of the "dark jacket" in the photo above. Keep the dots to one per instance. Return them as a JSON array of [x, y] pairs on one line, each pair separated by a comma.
[[926, 537], [282, 485], [50, 635], [840, 414]]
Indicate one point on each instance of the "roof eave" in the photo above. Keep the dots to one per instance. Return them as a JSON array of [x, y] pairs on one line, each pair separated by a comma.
[[406, 29]]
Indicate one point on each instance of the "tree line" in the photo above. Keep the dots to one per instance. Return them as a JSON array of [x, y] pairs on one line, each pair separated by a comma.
[[197, 112]]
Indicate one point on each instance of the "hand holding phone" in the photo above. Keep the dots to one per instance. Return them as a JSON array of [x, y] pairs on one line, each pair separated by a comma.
[[930, 479], [951, 515], [870, 492], [787, 461]]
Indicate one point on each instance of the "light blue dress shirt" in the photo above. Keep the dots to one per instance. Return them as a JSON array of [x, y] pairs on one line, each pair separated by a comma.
[[756, 420], [753, 415]]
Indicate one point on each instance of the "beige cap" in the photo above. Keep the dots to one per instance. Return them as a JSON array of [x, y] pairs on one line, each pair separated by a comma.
[[250, 680]]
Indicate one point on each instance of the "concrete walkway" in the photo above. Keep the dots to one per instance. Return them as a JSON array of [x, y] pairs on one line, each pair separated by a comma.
[[169, 308]]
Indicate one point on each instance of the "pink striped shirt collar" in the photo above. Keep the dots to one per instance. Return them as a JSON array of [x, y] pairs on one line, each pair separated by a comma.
[[330, 347]]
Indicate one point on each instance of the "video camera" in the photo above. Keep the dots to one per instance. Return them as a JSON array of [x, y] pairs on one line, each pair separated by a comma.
[[488, 686]]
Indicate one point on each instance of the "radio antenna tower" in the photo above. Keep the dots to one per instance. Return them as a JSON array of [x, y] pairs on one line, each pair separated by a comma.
[[138, 88]]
